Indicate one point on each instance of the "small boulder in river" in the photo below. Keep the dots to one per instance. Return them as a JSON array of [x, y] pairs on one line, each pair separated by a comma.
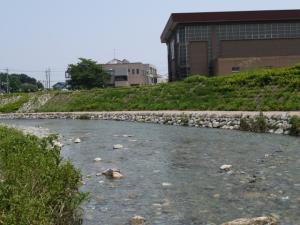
[[77, 141], [118, 146], [97, 160], [113, 174], [254, 221], [226, 167], [137, 220]]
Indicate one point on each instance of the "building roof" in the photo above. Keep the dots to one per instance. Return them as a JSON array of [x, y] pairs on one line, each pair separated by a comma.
[[228, 17], [117, 61]]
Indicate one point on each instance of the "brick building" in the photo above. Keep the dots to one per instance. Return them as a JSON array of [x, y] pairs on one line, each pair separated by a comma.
[[219, 43]]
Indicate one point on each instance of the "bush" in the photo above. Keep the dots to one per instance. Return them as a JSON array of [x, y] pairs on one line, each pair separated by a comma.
[[258, 124], [37, 186], [295, 129], [196, 78], [84, 117]]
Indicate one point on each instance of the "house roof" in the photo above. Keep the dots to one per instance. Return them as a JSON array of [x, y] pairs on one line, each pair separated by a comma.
[[228, 17], [117, 61]]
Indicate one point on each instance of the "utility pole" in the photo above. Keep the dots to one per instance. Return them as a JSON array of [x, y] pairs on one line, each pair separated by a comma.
[[46, 84], [7, 81], [48, 78]]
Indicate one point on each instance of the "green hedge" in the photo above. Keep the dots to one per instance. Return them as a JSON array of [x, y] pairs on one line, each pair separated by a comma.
[[37, 187]]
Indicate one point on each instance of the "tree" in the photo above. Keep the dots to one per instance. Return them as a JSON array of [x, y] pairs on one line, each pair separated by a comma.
[[19, 83], [86, 74]]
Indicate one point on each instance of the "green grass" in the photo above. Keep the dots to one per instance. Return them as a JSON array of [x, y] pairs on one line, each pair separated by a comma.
[[37, 186], [262, 90], [295, 126], [13, 106]]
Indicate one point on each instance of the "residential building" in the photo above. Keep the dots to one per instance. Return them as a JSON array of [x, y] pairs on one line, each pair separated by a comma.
[[219, 43], [60, 85], [125, 73]]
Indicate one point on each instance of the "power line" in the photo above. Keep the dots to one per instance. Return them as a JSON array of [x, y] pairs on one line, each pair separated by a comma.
[[34, 71]]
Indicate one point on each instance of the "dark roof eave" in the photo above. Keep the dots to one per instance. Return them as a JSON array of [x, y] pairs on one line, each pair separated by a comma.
[[228, 17]]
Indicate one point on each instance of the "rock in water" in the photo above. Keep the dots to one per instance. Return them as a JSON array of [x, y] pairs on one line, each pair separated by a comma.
[[118, 146], [117, 175], [137, 220], [226, 167], [255, 221], [97, 159], [113, 174], [166, 184], [77, 141]]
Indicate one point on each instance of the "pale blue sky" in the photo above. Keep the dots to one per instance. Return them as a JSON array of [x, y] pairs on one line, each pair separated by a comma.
[[36, 34]]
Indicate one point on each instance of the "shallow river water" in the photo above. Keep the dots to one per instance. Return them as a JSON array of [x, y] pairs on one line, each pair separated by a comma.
[[172, 175]]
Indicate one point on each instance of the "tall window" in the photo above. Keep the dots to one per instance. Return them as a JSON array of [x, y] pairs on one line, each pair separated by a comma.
[[133, 71], [137, 71]]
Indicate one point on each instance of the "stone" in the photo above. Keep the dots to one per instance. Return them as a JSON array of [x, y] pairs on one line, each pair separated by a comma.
[[97, 160], [117, 175], [118, 146], [217, 195], [113, 174], [226, 167], [166, 184], [137, 220], [254, 221], [215, 124], [279, 131], [77, 141]]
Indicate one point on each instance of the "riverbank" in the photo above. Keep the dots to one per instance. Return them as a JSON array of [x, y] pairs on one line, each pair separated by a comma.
[[266, 122], [261, 90], [36, 185]]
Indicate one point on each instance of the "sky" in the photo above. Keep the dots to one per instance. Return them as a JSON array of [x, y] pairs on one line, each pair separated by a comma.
[[40, 34]]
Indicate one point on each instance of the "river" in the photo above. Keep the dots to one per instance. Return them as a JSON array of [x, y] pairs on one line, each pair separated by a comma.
[[172, 175]]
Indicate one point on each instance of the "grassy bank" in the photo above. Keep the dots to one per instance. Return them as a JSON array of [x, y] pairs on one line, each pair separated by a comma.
[[274, 89], [263, 90], [15, 101], [36, 186]]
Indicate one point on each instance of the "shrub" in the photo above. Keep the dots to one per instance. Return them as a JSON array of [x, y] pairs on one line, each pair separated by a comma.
[[245, 124], [258, 124], [295, 126], [196, 78], [83, 117], [37, 186]]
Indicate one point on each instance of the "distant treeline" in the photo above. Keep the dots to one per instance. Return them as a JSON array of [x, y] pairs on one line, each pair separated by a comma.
[[19, 83]]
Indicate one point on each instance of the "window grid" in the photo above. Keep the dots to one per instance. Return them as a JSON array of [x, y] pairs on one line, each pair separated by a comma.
[[188, 33]]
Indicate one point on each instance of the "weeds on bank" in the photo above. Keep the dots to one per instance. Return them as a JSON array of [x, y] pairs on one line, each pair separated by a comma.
[[37, 186], [295, 126], [15, 105], [258, 124]]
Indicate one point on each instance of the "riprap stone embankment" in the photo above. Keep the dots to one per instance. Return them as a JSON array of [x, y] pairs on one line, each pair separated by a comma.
[[278, 122]]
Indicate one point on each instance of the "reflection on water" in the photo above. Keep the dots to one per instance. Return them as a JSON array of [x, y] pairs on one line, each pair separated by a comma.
[[172, 173]]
